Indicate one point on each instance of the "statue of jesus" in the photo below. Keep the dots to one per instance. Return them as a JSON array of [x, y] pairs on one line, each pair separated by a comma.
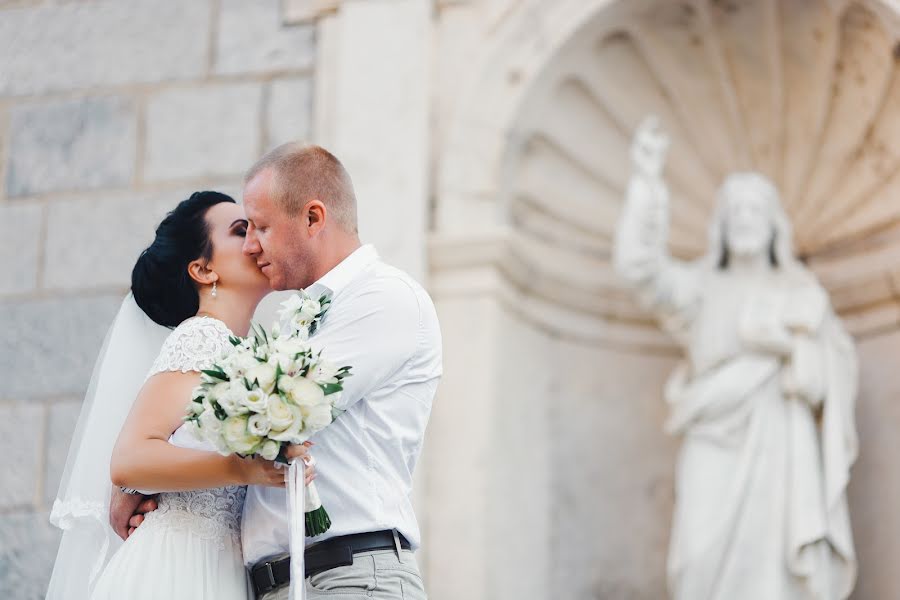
[[763, 400]]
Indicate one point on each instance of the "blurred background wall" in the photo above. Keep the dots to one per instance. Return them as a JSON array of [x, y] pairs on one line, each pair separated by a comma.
[[110, 113], [488, 142]]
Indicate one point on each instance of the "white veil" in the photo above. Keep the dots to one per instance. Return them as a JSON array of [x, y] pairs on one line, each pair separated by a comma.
[[82, 504]]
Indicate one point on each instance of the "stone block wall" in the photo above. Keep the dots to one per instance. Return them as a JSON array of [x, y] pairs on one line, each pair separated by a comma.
[[111, 111]]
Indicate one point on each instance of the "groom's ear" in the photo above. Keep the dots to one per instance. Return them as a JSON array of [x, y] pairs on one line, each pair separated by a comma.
[[201, 274], [315, 216]]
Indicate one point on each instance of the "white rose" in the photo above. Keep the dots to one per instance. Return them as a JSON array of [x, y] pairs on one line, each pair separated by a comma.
[[258, 425], [256, 400], [264, 374], [237, 436], [269, 450], [306, 392], [317, 418], [209, 422], [218, 390], [279, 414], [292, 433]]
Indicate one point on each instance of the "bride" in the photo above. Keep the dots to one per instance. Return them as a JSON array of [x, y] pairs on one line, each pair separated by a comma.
[[193, 278]]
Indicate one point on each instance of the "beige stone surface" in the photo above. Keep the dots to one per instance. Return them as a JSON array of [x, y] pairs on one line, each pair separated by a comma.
[[110, 113], [205, 131], [61, 420], [253, 38], [26, 554], [74, 224], [56, 343], [50, 47], [21, 443], [80, 144], [875, 485], [289, 111], [20, 247]]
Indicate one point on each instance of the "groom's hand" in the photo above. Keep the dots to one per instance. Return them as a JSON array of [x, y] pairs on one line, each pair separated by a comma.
[[126, 511]]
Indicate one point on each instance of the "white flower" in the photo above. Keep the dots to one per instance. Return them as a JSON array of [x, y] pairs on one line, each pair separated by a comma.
[[290, 346], [237, 436], [306, 392], [238, 364], [256, 400], [209, 423], [309, 310], [233, 401], [291, 305], [269, 449], [258, 425], [317, 418], [264, 374], [287, 363], [279, 413], [324, 372], [261, 352], [293, 433], [299, 324], [218, 390]]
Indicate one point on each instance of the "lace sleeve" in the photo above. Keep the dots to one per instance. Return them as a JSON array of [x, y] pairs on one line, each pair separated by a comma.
[[192, 346]]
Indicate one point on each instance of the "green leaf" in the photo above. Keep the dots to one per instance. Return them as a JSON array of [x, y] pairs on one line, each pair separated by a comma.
[[215, 374], [331, 388], [220, 412]]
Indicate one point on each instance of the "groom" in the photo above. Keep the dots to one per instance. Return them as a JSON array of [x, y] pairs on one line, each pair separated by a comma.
[[302, 231]]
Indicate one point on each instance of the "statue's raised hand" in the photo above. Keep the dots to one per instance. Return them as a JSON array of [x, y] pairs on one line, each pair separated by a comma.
[[649, 147]]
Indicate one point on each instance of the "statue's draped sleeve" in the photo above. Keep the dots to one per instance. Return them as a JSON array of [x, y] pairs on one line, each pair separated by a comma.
[[667, 287]]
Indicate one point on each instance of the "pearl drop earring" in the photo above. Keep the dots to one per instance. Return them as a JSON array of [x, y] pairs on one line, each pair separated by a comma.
[[214, 292]]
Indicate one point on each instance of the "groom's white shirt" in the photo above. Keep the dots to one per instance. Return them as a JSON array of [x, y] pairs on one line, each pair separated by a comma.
[[383, 324]]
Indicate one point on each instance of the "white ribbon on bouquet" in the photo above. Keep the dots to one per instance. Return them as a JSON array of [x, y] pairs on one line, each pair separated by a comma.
[[296, 496]]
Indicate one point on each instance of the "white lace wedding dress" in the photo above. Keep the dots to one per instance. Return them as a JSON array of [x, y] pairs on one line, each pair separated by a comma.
[[190, 547]]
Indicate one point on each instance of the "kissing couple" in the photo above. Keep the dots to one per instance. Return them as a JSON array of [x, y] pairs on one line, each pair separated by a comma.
[[197, 525]]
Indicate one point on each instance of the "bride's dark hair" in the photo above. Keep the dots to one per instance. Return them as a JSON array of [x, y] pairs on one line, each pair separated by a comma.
[[160, 281]]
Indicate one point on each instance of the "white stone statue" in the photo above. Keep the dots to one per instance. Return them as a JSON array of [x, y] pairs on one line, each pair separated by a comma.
[[763, 400]]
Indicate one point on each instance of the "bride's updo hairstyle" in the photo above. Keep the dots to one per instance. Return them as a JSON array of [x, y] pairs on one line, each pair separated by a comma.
[[160, 281]]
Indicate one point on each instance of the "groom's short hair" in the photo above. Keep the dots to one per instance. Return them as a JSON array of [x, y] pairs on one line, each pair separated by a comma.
[[307, 172]]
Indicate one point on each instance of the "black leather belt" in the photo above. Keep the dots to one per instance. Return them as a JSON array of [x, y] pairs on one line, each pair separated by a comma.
[[336, 552]]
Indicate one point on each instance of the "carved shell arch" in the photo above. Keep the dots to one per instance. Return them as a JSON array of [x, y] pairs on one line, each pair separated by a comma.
[[805, 91]]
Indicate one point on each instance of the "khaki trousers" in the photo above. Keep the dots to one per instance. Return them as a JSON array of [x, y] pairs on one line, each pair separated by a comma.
[[377, 575]]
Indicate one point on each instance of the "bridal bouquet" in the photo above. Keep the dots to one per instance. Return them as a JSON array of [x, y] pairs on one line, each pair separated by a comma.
[[271, 390]]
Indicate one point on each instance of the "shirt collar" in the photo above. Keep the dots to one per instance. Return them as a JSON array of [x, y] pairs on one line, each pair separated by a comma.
[[335, 280]]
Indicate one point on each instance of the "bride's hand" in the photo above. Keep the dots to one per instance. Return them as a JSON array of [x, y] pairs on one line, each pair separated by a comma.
[[301, 451], [259, 471]]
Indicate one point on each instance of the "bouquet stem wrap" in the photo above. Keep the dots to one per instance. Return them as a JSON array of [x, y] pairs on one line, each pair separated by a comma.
[[296, 497]]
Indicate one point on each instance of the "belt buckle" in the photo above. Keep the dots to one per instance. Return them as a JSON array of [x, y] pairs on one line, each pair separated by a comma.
[[271, 575]]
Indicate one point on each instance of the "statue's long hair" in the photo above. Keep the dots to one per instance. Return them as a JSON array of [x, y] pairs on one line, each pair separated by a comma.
[[781, 245]]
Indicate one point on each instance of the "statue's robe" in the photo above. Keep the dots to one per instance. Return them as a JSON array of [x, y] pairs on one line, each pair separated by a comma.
[[764, 403]]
